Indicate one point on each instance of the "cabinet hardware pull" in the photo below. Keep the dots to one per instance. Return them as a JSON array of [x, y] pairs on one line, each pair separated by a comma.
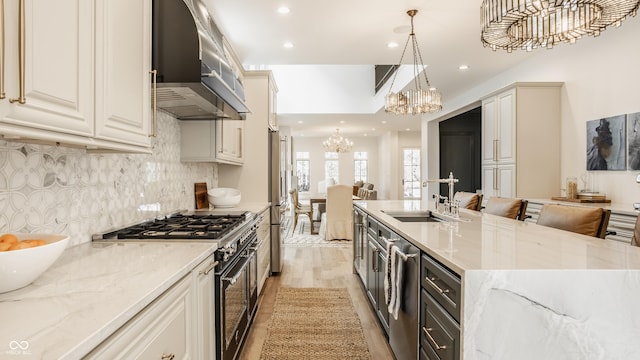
[[2, 93], [431, 282], [154, 89], [170, 356], [209, 268], [427, 331], [21, 53]]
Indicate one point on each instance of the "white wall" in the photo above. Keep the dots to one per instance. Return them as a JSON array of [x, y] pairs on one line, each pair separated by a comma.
[[601, 78], [314, 146]]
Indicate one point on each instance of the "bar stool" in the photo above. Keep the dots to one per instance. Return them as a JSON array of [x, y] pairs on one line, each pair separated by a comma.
[[468, 200], [635, 239], [506, 207], [581, 220]]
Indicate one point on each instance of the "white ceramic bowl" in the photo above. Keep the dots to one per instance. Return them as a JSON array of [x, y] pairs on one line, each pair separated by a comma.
[[19, 268], [224, 197]]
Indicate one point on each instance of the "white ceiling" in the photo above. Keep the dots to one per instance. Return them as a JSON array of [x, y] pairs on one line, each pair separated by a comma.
[[357, 32]]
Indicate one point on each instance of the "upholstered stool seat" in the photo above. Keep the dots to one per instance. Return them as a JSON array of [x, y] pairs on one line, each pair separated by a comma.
[[506, 207], [577, 219], [468, 200]]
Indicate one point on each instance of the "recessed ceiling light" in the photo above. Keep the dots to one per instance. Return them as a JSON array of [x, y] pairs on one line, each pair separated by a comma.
[[365, 134], [300, 122], [408, 129], [392, 45], [373, 129], [283, 10], [463, 67], [288, 45], [384, 121], [341, 121]]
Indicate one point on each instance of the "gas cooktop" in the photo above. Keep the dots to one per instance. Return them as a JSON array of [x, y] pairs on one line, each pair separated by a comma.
[[182, 226]]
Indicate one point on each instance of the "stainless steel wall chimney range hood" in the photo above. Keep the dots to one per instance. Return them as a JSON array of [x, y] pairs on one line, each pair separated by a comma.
[[194, 79]]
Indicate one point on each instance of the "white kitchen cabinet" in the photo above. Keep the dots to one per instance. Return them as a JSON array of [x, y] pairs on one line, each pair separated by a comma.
[[219, 141], [162, 329], [521, 141], [205, 301], [230, 141], [123, 65], [499, 180], [273, 104], [86, 79], [264, 248], [58, 70]]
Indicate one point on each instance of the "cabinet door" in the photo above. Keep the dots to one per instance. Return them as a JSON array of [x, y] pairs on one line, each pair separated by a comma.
[[230, 141], [123, 48], [489, 115], [506, 127], [58, 66], [372, 269], [197, 141], [204, 319], [489, 182], [506, 180], [273, 105]]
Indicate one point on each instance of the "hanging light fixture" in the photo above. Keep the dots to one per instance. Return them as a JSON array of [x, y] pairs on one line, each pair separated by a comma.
[[423, 98], [528, 24], [337, 143]]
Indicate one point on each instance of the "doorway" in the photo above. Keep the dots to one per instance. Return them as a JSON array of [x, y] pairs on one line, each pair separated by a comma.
[[460, 151]]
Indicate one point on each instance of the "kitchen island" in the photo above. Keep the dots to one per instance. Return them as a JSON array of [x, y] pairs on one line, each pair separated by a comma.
[[529, 291]]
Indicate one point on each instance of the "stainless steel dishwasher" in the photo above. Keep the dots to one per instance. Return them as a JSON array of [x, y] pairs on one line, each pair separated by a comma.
[[403, 332]]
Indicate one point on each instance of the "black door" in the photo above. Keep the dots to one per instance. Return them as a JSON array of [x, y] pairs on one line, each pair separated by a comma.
[[460, 151]]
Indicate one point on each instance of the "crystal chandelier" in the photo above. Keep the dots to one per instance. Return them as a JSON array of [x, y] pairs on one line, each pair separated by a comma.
[[337, 143], [529, 24], [421, 99]]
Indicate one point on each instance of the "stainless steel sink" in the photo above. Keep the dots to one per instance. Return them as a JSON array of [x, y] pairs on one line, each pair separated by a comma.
[[413, 216]]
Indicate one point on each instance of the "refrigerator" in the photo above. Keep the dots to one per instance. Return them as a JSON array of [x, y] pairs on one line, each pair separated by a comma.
[[277, 197]]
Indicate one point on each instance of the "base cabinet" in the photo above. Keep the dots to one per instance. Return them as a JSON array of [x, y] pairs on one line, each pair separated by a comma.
[[162, 329], [264, 248]]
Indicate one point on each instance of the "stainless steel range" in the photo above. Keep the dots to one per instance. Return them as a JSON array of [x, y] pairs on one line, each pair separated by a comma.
[[236, 275]]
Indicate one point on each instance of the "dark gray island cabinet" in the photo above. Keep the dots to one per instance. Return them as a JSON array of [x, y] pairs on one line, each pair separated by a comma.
[[484, 287]]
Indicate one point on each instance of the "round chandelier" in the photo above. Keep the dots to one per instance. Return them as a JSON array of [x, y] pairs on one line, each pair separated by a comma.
[[528, 24], [337, 143], [421, 99]]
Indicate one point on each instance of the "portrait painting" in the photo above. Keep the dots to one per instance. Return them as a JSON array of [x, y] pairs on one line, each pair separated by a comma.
[[633, 136], [606, 143]]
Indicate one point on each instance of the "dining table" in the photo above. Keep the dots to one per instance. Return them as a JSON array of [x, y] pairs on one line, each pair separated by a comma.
[[319, 198]]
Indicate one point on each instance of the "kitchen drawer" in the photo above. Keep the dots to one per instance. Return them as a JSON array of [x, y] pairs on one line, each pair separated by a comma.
[[372, 227], [439, 332], [384, 233], [442, 284]]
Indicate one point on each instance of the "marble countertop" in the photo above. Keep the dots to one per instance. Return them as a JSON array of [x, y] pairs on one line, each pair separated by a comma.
[[91, 291], [487, 242]]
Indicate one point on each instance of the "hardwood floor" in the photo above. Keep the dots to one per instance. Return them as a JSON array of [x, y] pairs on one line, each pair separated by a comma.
[[327, 267]]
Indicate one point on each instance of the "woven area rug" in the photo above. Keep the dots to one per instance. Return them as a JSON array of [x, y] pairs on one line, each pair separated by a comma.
[[312, 323], [301, 236]]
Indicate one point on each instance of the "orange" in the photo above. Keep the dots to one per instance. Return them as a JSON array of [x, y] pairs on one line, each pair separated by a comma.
[[4, 246], [20, 245], [9, 238]]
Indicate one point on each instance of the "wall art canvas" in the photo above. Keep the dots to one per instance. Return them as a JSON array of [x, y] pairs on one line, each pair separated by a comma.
[[606, 143], [633, 134]]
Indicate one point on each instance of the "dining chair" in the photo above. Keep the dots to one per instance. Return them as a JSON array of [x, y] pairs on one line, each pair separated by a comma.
[[339, 216], [577, 219], [468, 200], [506, 207], [635, 238], [298, 208]]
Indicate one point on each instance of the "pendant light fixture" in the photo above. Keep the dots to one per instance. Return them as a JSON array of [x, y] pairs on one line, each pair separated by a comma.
[[528, 24], [337, 143], [422, 98]]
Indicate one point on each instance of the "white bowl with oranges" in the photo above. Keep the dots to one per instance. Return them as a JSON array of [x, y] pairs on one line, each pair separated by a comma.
[[24, 257]]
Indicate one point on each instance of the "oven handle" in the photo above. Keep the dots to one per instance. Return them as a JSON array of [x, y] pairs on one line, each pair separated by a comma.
[[234, 279]]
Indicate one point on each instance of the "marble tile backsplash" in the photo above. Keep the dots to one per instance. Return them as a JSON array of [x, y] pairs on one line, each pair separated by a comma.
[[70, 191]]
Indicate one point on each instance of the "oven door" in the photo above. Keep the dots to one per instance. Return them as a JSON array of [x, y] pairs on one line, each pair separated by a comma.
[[234, 305]]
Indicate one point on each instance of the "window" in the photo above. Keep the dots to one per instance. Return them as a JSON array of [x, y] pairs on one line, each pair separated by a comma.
[[411, 174], [303, 170], [360, 166], [331, 166]]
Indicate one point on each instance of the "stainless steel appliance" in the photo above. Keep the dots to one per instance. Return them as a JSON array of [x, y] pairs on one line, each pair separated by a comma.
[[194, 78], [277, 198], [235, 270]]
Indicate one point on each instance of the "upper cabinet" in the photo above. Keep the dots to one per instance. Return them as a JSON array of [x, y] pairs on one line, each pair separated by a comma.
[[219, 141], [273, 104], [79, 72], [521, 141]]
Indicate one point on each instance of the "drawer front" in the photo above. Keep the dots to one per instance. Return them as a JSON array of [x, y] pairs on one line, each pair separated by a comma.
[[439, 332], [372, 227], [442, 284]]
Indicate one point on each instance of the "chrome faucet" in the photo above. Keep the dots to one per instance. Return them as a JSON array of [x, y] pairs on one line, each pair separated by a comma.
[[450, 181]]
